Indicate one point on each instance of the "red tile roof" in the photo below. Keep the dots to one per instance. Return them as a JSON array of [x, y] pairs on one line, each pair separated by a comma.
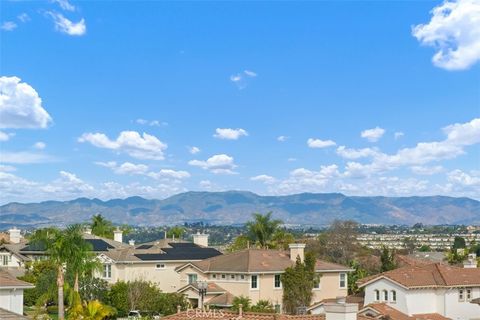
[[9, 281]]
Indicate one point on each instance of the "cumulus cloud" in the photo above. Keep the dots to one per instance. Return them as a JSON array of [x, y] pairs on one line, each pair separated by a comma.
[[454, 32], [124, 168], [304, 180], [169, 174], [20, 105], [5, 136], [348, 153], [68, 183], [426, 171], [465, 179], [193, 150], [241, 79], [282, 138], [264, 178], [229, 134], [23, 17], [373, 135], [143, 146], [40, 145], [217, 164], [67, 26], [152, 123], [317, 143], [8, 26]]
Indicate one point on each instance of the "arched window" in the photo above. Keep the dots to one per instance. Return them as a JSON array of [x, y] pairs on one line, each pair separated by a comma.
[[385, 295], [394, 295], [377, 295]]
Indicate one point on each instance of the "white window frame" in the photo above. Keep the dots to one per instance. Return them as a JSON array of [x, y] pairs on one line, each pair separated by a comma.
[[5, 258], [279, 281], [385, 295], [376, 294], [393, 296], [468, 294], [163, 266], [345, 281], [107, 271], [257, 282], [461, 294], [192, 274]]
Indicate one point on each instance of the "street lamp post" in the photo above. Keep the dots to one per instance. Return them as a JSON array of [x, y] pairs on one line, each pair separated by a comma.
[[202, 291]]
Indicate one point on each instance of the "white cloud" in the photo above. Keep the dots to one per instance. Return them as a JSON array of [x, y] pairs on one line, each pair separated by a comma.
[[20, 105], [373, 135], [217, 164], [454, 32], [24, 157], [40, 145], [229, 134], [292, 159], [152, 123], [464, 179], [169, 174], [241, 79], [398, 135], [143, 146], [193, 150], [426, 171], [5, 168], [23, 17], [68, 184], [317, 143], [67, 26], [8, 26], [264, 178], [304, 180], [65, 5], [348, 153], [282, 138], [5, 136], [125, 168]]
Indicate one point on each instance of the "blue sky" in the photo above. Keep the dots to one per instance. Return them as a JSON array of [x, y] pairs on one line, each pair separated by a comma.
[[154, 98]]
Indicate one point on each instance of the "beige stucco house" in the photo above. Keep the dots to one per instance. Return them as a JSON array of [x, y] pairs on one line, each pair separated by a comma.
[[256, 274]]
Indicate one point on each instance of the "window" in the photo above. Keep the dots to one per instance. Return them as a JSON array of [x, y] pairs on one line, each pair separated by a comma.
[[232, 276], [377, 295], [277, 308], [242, 277], [469, 294], [343, 280], [385, 295], [316, 282], [394, 295], [254, 282], [192, 278], [223, 276], [5, 259], [214, 276], [277, 281], [107, 271], [461, 295], [160, 266]]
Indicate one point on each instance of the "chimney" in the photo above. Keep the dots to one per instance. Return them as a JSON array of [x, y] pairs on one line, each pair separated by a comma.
[[118, 235], [340, 310], [297, 250], [471, 261], [14, 235], [200, 239], [88, 230], [131, 242]]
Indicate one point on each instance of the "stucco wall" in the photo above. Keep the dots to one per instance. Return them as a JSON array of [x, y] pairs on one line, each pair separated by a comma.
[[12, 300]]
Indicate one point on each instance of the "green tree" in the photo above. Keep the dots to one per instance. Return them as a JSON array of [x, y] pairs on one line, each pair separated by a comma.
[[387, 259], [176, 232], [425, 248], [264, 306], [353, 277], [262, 228], [298, 282], [43, 275], [459, 243], [240, 243], [92, 288], [102, 227], [166, 303], [95, 310], [118, 297], [59, 249], [281, 239], [241, 300]]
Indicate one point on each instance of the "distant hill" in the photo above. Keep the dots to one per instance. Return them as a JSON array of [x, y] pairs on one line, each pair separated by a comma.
[[234, 207]]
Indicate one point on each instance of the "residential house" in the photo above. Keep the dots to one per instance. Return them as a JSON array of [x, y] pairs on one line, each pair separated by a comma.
[[256, 274], [11, 294], [426, 289]]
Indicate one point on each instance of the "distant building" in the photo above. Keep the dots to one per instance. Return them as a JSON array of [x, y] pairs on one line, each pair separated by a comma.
[[11, 295]]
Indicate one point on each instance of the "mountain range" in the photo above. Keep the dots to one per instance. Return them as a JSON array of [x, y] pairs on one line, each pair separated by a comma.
[[236, 207]]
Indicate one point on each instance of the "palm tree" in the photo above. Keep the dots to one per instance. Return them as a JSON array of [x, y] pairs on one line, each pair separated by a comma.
[[58, 249], [82, 261], [262, 228], [102, 227], [95, 310]]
